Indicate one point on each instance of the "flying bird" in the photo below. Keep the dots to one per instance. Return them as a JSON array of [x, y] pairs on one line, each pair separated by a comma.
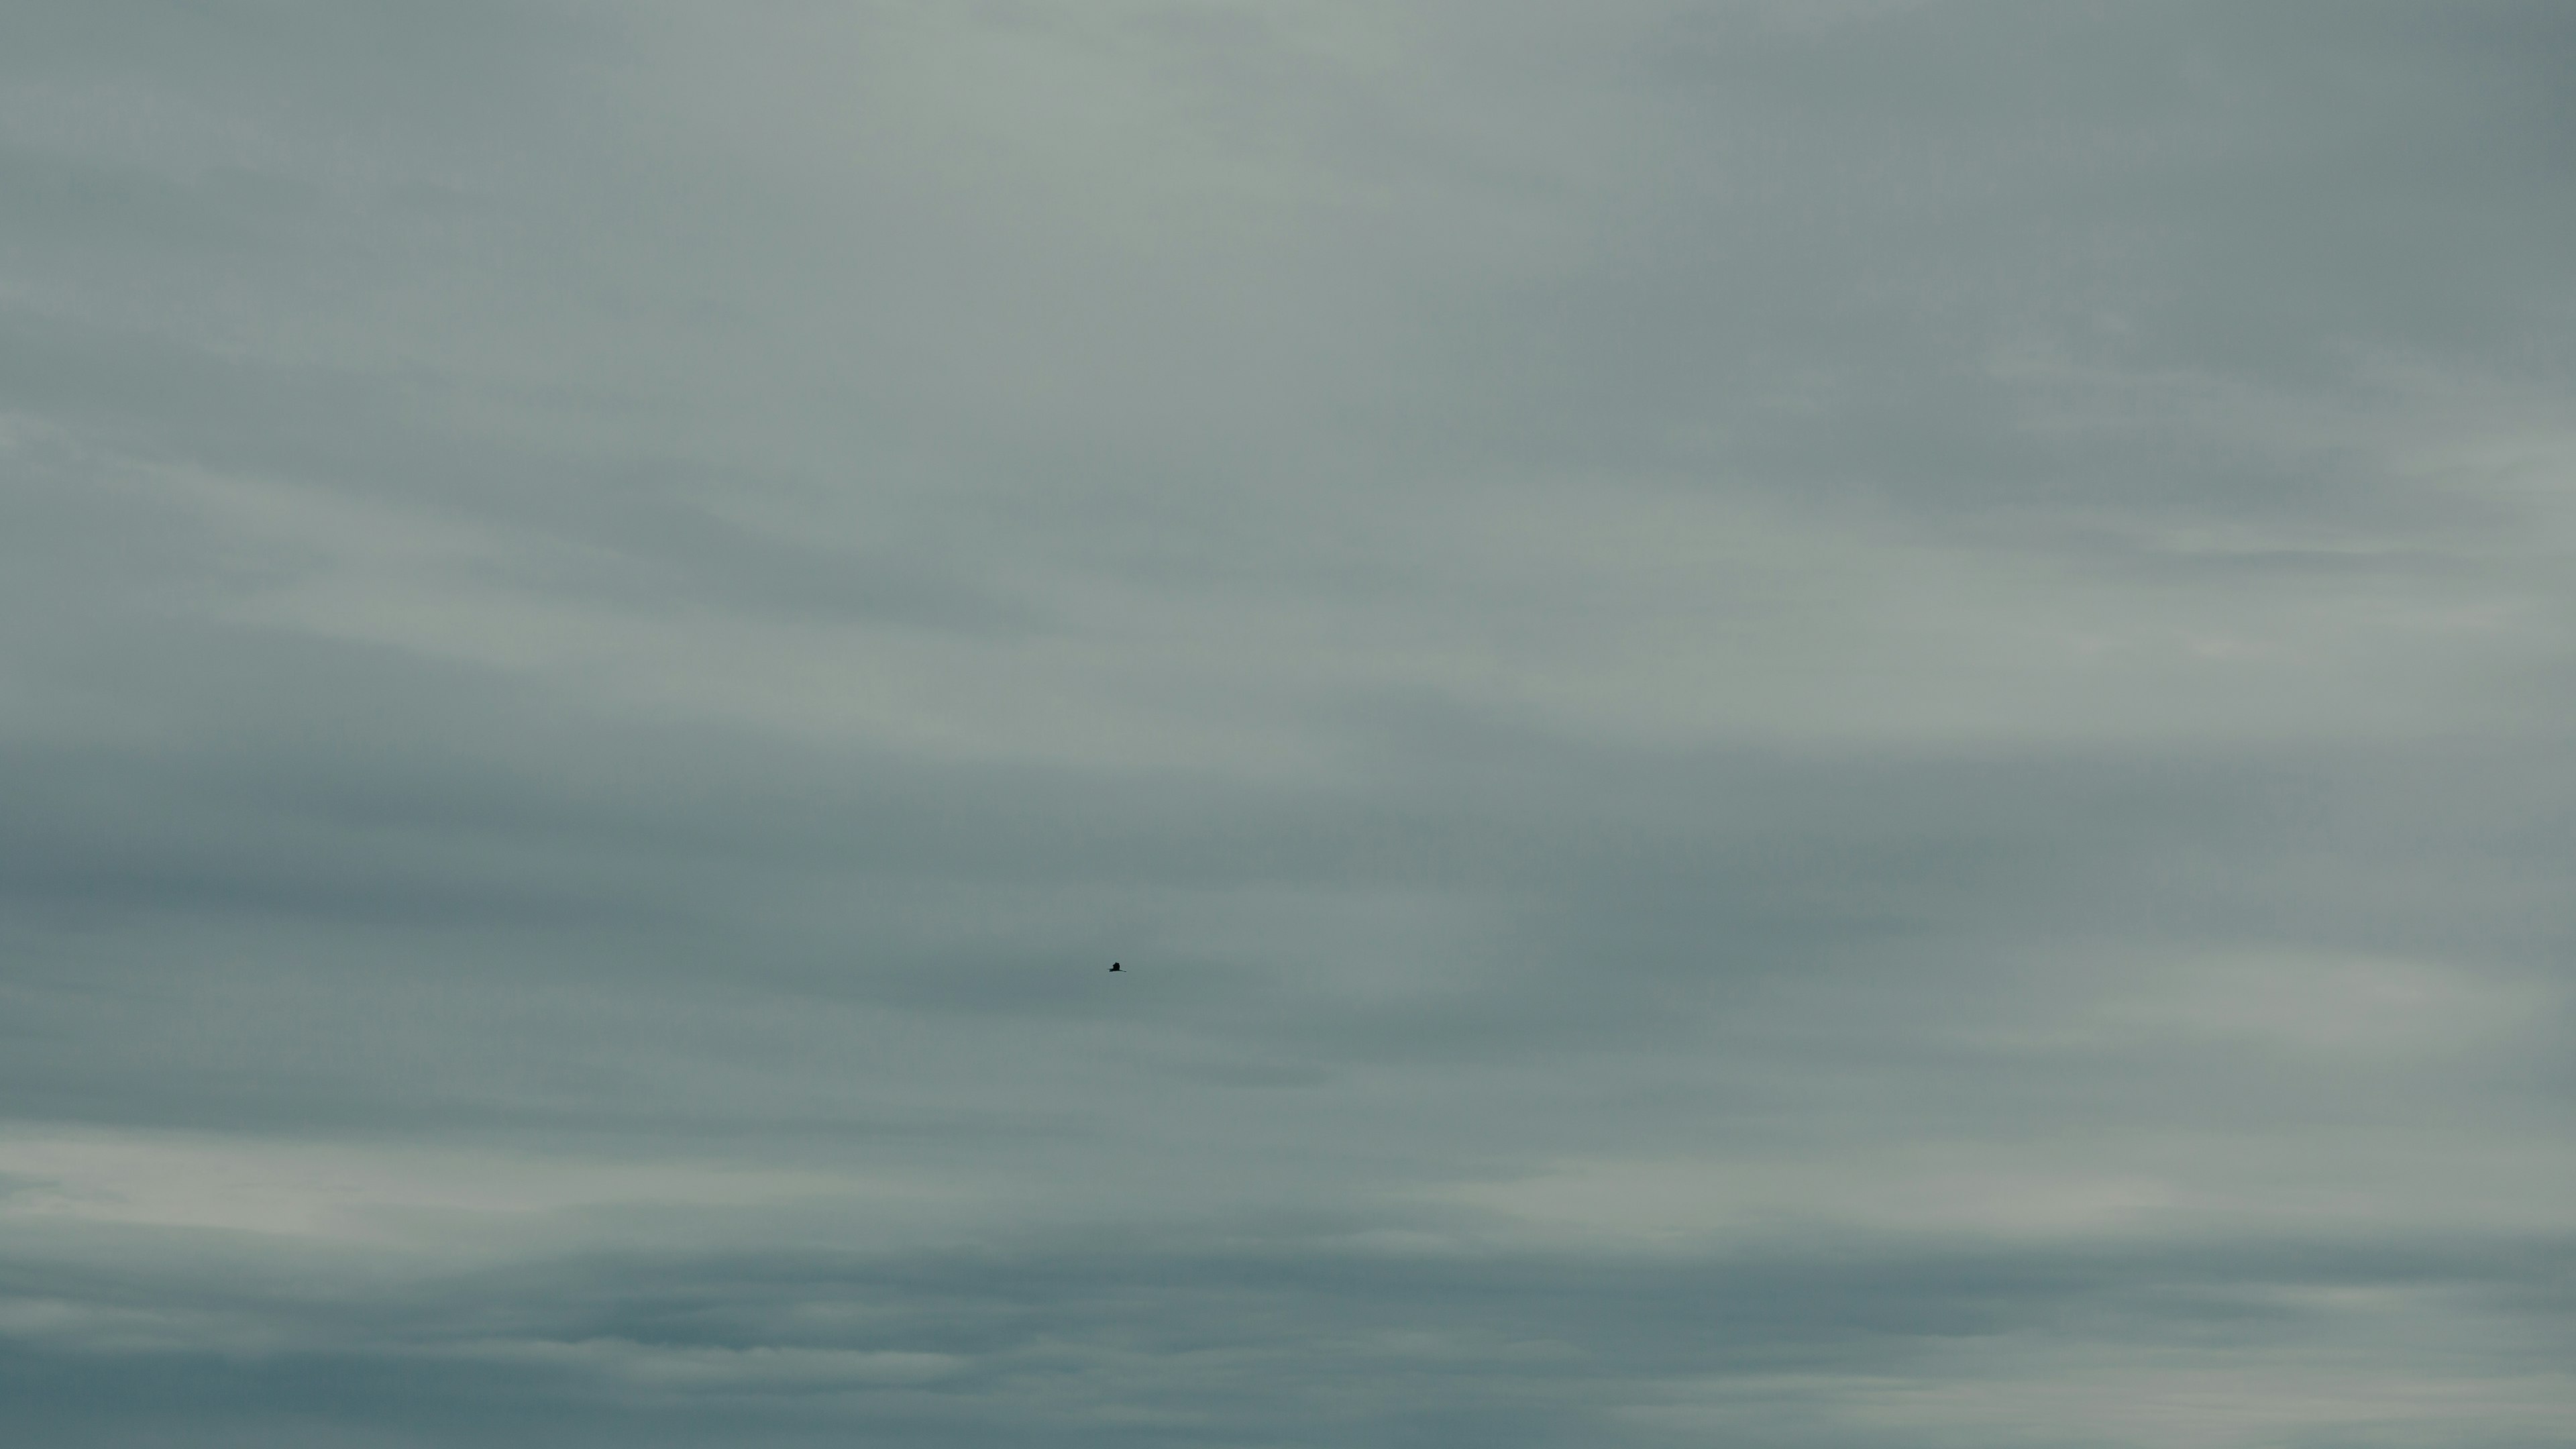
[[1113, 965]]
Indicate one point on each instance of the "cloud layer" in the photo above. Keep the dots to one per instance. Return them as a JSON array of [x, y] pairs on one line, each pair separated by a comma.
[[1832, 726]]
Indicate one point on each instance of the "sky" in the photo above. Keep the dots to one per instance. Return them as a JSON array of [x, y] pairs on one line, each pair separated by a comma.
[[1835, 724]]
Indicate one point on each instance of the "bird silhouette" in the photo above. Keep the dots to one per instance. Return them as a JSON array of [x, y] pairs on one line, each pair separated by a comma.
[[1113, 965]]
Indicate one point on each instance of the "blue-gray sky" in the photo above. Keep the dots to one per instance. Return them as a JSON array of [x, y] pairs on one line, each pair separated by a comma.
[[1833, 724]]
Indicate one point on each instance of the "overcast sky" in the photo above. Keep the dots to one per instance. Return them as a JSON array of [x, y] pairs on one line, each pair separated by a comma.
[[1832, 724]]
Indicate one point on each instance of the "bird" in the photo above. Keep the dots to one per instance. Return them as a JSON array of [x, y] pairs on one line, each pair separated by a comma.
[[1113, 965]]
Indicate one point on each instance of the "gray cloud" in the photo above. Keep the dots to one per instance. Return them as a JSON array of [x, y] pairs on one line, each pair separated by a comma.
[[1289, 1335], [1823, 725]]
